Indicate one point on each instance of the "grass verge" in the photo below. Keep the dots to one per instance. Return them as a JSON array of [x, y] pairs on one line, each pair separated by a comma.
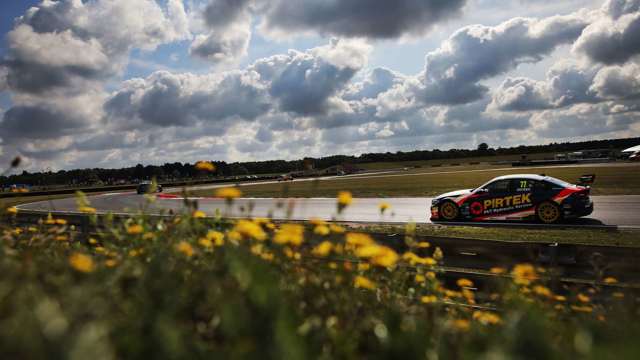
[[610, 180]]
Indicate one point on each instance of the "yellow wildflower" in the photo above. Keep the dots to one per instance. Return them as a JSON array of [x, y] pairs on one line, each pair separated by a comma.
[[414, 259], [81, 262], [267, 256], [206, 243], [32, 229], [423, 245], [234, 236], [429, 299], [49, 220], [378, 255], [289, 234], [583, 298], [344, 199], [419, 278], [560, 298], [358, 239], [216, 237], [333, 265], [542, 291], [461, 324], [437, 254], [185, 248], [384, 206], [430, 275], [100, 250], [584, 308], [87, 209], [336, 228], [498, 270], [486, 317], [199, 214], [61, 222], [323, 249], [134, 253], [228, 193], [249, 229], [93, 241], [134, 229], [363, 282], [205, 166], [110, 263], [321, 230], [148, 236], [61, 238], [610, 280], [462, 282], [317, 221], [12, 210], [523, 274], [364, 266]]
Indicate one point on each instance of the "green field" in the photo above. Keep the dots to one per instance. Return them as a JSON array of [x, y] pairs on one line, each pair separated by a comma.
[[610, 180], [448, 162]]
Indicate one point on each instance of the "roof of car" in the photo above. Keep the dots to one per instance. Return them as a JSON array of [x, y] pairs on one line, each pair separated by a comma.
[[522, 176]]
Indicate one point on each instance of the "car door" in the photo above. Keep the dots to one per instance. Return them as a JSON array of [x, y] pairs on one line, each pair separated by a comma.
[[488, 200], [522, 196]]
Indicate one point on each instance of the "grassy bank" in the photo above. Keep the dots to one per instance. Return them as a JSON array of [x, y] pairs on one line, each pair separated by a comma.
[[624, 238], [610, 180]]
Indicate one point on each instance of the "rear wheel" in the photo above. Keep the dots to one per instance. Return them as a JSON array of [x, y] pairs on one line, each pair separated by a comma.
[[449, 211], [548, 212]]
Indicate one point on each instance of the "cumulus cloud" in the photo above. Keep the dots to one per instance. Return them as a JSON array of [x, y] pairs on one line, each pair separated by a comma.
[[611, 40], [165, 99], [359, 18], [305, 82], [228, 24], [474, 53], [62, 44], [37, 122]]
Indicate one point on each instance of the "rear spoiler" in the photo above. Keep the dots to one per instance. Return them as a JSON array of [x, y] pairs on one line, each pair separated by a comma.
[[586, 180]]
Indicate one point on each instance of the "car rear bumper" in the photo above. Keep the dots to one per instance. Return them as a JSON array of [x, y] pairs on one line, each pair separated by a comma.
[[578, 209]]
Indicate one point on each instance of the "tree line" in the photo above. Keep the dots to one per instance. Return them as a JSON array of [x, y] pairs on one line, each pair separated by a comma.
[[180, 171]]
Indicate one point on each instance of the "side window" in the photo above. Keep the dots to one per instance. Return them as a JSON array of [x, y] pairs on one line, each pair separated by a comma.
[[499, 186], [541, 186]]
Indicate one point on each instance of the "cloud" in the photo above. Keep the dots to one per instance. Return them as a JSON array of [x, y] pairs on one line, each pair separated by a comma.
[[474, 53], [611, 40], [304, 82], [37, 122], [359, 18], [65, 44], [165, 99], [617, 82], [228, 24]]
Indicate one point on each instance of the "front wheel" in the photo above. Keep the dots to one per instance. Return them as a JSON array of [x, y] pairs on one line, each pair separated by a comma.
[[548, 213], [449, 211]]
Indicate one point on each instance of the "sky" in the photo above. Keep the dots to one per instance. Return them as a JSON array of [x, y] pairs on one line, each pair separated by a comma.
[[112, 83]]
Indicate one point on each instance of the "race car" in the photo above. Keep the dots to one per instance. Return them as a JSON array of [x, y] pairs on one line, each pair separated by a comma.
[[516, 197], [146, 187]]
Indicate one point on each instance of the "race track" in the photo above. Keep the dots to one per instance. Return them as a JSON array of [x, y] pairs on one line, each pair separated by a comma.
[[621, 211]]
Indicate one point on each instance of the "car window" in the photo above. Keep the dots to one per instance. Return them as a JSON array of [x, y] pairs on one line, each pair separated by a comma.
[[498, 186], [542, 186]]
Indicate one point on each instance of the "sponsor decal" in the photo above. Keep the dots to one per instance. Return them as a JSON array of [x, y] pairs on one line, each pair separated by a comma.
[[507, 201], [476, 208]]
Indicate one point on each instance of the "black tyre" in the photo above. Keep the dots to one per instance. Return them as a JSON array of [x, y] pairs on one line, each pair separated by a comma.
[[449, 211], [548, 212]]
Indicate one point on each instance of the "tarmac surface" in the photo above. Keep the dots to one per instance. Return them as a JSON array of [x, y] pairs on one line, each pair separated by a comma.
[[621, 211]]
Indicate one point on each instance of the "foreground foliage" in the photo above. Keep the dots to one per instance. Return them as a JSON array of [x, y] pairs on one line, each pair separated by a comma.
[[189, 286]]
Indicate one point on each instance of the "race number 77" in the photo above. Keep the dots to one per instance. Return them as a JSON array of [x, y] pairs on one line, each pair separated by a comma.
[[523, 183]]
